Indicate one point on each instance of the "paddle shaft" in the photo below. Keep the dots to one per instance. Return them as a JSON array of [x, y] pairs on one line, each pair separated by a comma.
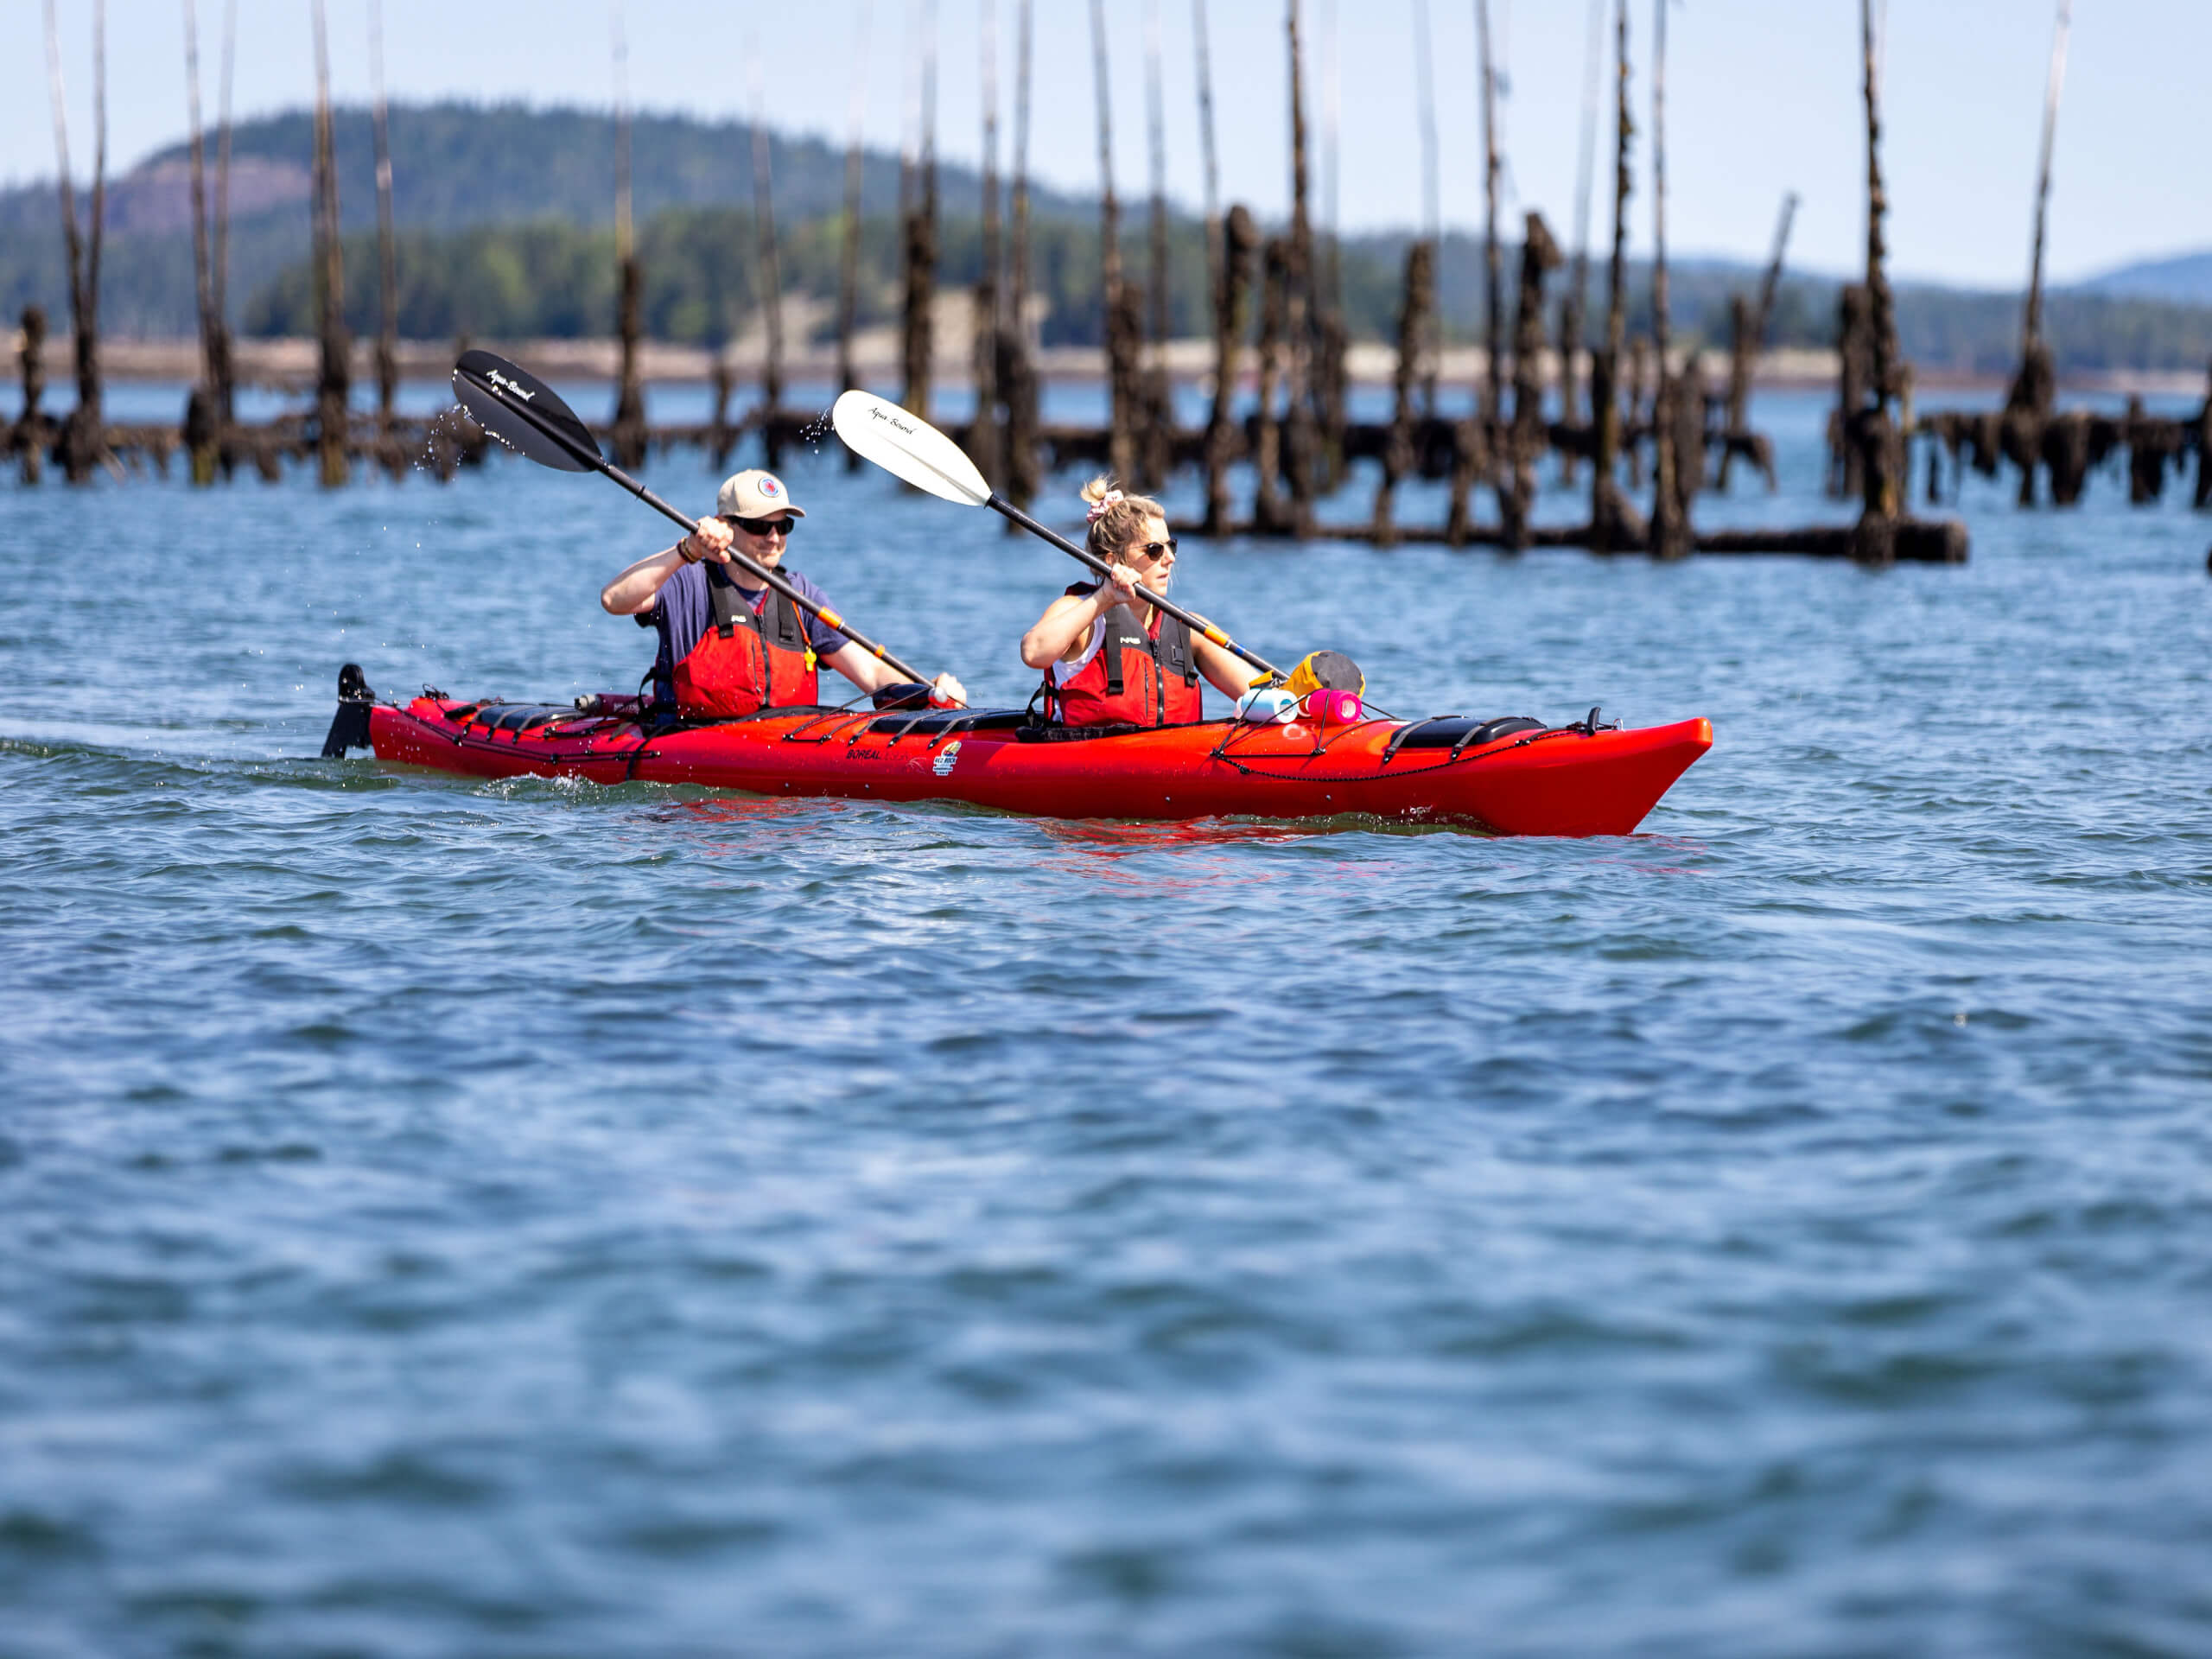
[[999, 503]]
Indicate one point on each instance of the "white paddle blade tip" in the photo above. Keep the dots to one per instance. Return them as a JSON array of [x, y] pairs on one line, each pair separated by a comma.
[[908, 447]]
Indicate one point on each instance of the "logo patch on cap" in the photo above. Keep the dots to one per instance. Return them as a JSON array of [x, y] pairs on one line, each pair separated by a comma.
[[769, 487]]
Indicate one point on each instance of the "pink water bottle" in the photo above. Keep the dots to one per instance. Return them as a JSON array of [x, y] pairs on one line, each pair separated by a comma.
[[1330, 708]]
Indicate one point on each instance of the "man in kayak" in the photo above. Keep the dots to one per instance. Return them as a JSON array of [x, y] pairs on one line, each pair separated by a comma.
[[1108, 657], [729, 648]]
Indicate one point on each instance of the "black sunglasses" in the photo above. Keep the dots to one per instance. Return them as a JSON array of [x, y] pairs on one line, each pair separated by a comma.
[[762, 526], [1151, 550]]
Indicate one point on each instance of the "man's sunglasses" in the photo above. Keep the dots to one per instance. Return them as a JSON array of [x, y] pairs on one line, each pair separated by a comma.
[[1153, 551], [762, 526]]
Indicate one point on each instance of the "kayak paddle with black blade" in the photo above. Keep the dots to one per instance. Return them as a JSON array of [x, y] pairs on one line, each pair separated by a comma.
[[909, 447], [528, 415]]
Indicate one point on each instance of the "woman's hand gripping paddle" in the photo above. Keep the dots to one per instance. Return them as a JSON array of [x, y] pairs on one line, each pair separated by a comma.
[[909, 447], [528, 415]]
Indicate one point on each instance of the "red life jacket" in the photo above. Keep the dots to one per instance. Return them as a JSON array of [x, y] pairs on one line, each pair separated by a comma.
[[1142, 677], [747, 660]]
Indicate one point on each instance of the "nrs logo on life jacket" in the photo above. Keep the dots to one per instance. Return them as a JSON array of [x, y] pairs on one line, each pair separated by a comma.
[[747, 661], [1139, 676]]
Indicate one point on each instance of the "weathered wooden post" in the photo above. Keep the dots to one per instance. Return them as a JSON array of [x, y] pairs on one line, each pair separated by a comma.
[[1854, 374], [849, 261], [1017, 374], [83, 432], [1540, 257], [1876, 435], [1614, 524], [1228, 257], [2034, 391], [387, 256], [1240, 240], [28, 437], [1331, 342], [1571, 342], [1747, 327], [920, 340], [1670, 522], [201, 439], [1398, 457], [334, 372], [984, 431], [219, 369], [629, 430], [1299, 439], [1430, 198], [1155, 438], [2203, 431], [1113, 320], [1493, 400], [1270, 517], [770, 278]]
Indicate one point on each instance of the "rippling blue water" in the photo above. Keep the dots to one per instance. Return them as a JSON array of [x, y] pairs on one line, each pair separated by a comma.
[[445, 1218]]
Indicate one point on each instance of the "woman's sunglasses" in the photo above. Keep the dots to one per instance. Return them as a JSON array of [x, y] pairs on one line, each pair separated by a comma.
[[763, 526], [1153, 551]]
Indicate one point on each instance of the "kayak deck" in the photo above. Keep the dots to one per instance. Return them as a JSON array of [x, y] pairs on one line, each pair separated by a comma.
[[1511, 777]]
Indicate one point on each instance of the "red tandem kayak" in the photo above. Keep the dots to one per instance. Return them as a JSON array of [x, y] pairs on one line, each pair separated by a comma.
[[1515, 776]]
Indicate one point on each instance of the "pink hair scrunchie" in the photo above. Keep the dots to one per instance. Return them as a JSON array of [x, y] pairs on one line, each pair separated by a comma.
[[1098, 507]]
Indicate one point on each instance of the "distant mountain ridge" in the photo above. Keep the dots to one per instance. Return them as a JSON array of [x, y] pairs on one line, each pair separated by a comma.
[[2181, 278]]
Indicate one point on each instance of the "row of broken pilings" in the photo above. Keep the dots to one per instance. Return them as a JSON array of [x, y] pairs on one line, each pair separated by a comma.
[[2031, 433]]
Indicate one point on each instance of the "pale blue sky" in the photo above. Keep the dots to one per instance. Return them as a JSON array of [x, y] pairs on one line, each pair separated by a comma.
[[1762, 97]]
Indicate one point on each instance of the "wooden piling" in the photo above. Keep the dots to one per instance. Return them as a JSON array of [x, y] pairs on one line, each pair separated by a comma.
[[387, 256], [2203, 424], [201, 430], [2034, 391], [333, 373], [1571, 341], [1398, 456], [220, 361], [83, 443], [1493, 402], [1747, 339], [984, 432], [1430, 197], [1670, 518], [1331, 342], [627, 435], [31, 434], [1614, 524], [919, 340], [1240, 240], [848, 260], [1873, 431], [1528, 435], [1301, 439], [1119, 346], [1269, 516], [770, 278], [1017, 375], [1156, 429]]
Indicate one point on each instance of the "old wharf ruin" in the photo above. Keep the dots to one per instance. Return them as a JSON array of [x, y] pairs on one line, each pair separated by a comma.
[[1545, 383]]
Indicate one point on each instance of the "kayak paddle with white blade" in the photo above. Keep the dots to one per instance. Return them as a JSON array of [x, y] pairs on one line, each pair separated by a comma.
[[909, 447]]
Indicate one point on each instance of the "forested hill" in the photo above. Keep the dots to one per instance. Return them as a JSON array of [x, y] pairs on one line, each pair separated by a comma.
[[455, 167], [505, 214]]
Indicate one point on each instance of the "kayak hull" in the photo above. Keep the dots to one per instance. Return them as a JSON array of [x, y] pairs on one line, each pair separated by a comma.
[[1568, 781]]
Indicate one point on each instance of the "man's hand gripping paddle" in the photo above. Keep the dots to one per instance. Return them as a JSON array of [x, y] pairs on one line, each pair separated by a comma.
[[528, 415], [909, 447]]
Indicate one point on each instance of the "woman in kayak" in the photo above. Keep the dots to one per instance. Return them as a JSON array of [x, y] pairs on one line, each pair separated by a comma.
[[1108, 657], [729, 648]]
